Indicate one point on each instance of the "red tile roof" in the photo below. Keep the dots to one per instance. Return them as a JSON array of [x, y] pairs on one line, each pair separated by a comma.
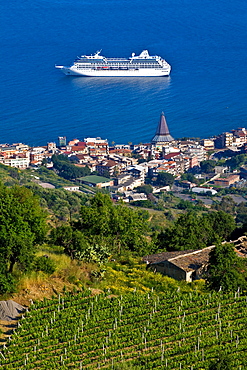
[[171, 155]]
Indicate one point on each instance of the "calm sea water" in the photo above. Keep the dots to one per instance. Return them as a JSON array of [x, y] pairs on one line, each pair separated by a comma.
[[205, 42]]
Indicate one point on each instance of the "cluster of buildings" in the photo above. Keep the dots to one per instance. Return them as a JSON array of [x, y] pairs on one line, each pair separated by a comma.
[[127, 164]]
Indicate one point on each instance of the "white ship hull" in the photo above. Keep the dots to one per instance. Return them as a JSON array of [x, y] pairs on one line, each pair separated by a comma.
[[115, 73], [143, 65]]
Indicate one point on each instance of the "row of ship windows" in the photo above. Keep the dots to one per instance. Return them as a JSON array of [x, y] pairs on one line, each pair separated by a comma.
[[128, 66], [112, 68], [120, 65]]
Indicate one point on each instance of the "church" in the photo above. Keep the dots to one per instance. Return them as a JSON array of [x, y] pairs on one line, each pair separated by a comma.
[[162, 136]]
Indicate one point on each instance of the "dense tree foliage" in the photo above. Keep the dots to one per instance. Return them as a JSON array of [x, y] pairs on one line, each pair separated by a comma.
[[157, 205], [45, 264], [235, 162], [226, 204], [63, 204], [103, 228], [188, 205], [164, 179], [208, 166], [67, 169], [79, 246], [22, 227], [192, 231], [122, 225], [227, 271], [7, 281], [146, 189], [241, 211], [189, 177]]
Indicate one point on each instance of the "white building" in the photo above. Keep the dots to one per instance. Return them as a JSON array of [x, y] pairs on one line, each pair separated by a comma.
[[20, 162], [203, 190]]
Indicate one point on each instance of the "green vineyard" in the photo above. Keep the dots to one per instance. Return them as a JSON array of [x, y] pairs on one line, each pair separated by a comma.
[[173, 330]]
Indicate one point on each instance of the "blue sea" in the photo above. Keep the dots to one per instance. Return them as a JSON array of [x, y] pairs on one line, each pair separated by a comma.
[[204, 41]]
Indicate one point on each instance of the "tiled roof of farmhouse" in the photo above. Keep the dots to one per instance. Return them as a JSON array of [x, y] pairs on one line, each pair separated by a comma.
[[162, 132], [192, 260], [163, 256], [186, 260]]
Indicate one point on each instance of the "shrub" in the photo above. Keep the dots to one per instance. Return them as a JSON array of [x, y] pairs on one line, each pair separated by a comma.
[[7, 283], [45, 264]]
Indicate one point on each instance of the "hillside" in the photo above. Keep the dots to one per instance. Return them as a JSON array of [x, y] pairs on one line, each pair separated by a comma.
[[96, 305], [171, 330]]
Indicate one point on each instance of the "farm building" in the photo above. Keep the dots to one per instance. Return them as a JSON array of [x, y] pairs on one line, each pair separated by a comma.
[[180, 265], [189, 265]]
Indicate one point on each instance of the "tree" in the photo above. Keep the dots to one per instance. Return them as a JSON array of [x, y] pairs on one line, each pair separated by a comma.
[[123, 227], [45, 264], [192, 231], [63, 236], [102, 223], [235, 162], [146, 189], [185, 233], [227, 205], [63, 204], [208, 166], [241, 210], [226, 270], [7, 283], [165, 179], [105, 173], [22, 227], [185, 204], [44, 162], [190, 177], [79, 246], [68, 170], [221, 224]]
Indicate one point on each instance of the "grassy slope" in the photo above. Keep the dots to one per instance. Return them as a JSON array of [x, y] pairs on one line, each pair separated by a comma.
[[11, 176]]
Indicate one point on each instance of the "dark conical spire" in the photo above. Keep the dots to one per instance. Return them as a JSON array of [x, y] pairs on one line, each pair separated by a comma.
[[162, 133], [162, 128]]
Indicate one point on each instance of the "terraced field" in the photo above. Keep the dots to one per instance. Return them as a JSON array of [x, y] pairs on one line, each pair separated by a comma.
[[172, 330]]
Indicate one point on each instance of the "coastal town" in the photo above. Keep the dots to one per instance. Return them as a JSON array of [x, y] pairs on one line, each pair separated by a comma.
[[98, 257], [123, 167]]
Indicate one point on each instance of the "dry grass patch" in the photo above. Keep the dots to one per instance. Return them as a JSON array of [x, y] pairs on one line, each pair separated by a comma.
[[69, 275]]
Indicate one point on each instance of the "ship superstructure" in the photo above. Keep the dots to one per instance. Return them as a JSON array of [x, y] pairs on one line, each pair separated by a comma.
[[143, 65]]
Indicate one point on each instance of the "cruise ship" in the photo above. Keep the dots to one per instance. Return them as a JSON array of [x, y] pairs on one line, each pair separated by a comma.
[[143, 65]]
